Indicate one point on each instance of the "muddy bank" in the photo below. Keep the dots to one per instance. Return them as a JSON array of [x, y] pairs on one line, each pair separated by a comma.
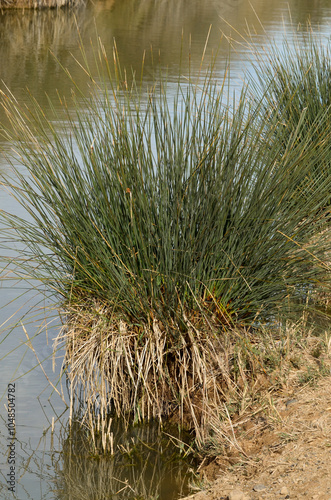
[[288, 452]]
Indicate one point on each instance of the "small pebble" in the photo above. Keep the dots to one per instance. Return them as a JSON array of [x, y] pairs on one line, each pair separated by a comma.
[[284, 491], [291, 402], [259, 487], [237, 495]]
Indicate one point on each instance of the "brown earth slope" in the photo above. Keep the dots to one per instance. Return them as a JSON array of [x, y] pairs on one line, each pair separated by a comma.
[[287, 454]]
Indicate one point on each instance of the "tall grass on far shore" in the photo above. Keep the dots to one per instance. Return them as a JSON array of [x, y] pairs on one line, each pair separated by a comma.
[[38, 4], [163, 221], [294, 80]]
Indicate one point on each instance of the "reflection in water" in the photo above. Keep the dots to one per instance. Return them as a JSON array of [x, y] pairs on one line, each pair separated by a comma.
[[63, 465], [27, 39], [145, 465]]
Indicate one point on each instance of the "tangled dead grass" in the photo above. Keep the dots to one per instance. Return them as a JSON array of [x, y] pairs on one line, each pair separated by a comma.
[[198, 378], [143, 373]]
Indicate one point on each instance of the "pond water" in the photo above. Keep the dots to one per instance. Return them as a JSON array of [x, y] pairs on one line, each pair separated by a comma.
[[32, 44]]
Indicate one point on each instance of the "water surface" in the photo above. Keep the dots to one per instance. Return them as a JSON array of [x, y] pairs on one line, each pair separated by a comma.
[[33, 46]]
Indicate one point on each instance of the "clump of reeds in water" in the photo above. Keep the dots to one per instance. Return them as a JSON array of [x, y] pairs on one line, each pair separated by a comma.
[[293, 78], [163, 223]]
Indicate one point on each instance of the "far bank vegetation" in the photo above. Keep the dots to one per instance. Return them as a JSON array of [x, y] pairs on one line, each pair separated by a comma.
[[180, 234], [38, 4]]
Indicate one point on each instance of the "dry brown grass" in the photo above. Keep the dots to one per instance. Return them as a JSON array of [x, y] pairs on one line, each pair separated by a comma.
[[198, 379], [144, 372]]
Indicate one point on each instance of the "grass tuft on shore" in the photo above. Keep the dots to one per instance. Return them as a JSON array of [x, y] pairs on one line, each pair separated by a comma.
[[164, 222], [293, 78]]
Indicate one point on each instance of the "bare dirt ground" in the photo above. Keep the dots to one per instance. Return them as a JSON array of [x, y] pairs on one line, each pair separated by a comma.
[[284, 454]]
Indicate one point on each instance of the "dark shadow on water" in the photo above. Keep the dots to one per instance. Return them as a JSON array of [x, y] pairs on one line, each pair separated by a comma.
[[146, 464]]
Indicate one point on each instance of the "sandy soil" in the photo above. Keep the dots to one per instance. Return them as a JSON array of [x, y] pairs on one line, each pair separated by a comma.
[[288, 452]]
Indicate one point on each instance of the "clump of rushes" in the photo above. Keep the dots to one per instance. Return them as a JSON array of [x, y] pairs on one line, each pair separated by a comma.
[[294, 80], [162, 222]]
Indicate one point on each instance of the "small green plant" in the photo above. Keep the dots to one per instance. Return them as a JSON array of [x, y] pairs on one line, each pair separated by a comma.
[[309, 376], [288, 438], [314, 372], [296, 361], [317, 351]]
